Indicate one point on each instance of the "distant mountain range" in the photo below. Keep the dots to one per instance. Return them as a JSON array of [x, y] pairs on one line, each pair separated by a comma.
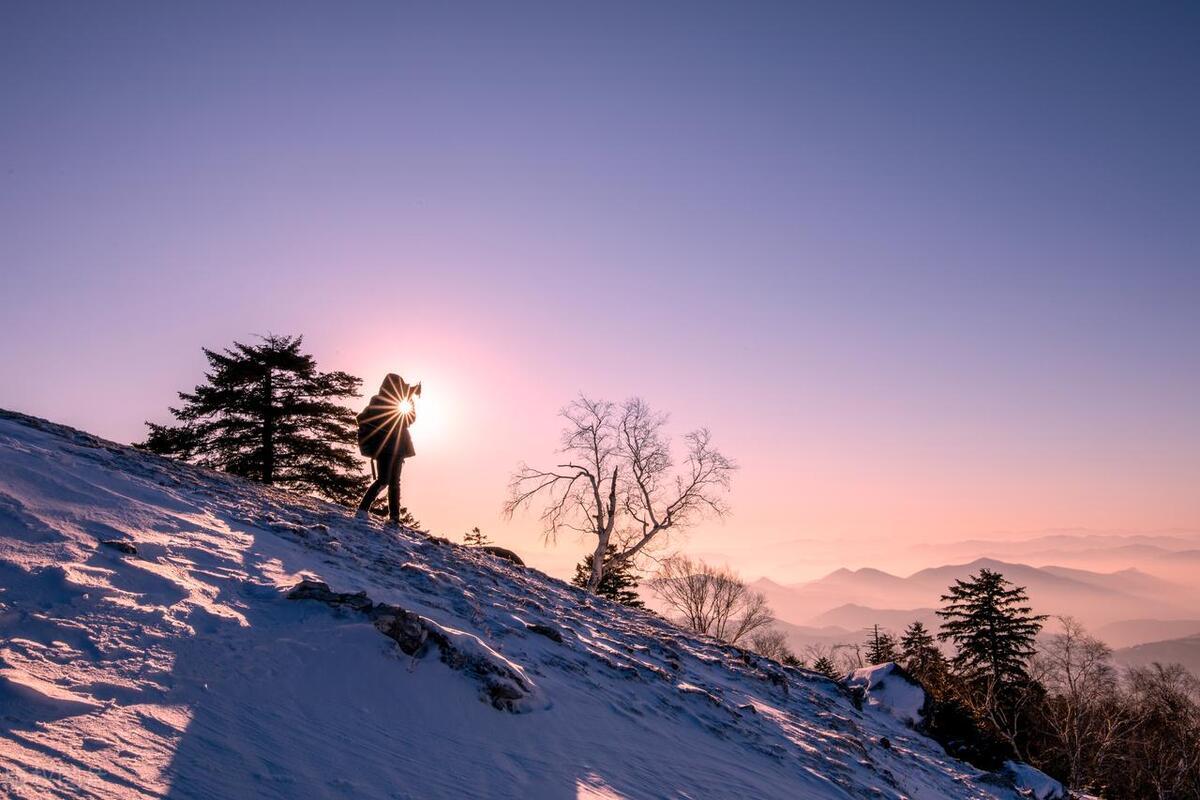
[[855, 599], [1174, 555], [1184, 650], [1089, 596], [1074, 542], [857, 618], [1129, 632]]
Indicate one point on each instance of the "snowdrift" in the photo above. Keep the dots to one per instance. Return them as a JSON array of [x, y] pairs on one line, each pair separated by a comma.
[[158, 639], [887, 687]]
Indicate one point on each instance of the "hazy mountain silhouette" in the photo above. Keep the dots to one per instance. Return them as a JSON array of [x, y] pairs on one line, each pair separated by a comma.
[[1173, 555], [1129, 632], [801, 637], [1095, 598], [1064, 542], [1185, 651], [859, 618]]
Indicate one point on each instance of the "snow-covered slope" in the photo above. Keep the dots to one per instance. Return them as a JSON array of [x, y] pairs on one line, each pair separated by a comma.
[[184, 671], [886, 687]]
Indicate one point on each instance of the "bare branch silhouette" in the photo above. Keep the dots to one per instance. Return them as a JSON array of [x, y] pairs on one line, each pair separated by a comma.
[[618, 482], [711, 600]]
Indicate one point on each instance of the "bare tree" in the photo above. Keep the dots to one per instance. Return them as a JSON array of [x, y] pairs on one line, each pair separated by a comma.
[[1162, 756], [710, 600], [618, 480], [849, 656], [1080, 716], [772, 643], [841, 657], [815, 651]]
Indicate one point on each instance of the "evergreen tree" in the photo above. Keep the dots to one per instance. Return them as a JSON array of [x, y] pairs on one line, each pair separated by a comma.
[[825, 667], [617, 583], [991, 626], [476, 538], [407, 519], [881, 647], [267, 414], [919, 651]]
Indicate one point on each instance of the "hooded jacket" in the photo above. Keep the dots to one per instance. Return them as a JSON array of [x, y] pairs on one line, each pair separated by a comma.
[[383, 430]]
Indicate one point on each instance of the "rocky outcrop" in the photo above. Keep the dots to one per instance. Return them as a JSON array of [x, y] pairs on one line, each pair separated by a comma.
[[545, 630], [320, 591], [503, 552], [408, 630], [501, 683]]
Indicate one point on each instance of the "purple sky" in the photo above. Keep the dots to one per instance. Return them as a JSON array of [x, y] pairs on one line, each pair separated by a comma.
[[928, 271]]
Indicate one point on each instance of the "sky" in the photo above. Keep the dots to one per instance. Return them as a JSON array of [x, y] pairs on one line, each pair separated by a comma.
[[928, 271]]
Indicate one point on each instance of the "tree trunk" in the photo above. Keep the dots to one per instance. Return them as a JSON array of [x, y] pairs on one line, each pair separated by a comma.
[[603, 531], [268, 435], [598, 563]]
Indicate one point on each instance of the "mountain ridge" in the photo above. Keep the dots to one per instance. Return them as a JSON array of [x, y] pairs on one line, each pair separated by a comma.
[[152, 651], [1183, 650], [1097, 598]]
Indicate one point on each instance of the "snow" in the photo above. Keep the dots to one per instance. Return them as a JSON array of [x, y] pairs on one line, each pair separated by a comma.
[[184, 671], [887, 688], [1033, 782]]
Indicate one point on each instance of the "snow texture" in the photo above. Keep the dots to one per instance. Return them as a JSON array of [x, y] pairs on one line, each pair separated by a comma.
[[179, 668], [886, 687], [1033, 782]]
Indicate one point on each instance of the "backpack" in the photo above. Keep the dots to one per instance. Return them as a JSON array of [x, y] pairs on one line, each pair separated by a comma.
[[375, 423]]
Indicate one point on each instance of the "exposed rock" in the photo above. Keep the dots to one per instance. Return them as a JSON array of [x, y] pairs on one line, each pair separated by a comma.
[[545, 630], [503, 695], [857, 695], [282, 525], [407, 629], [775, 677], [501, 686], [688, 688], [320, 591], [503, 552], [125, 547]]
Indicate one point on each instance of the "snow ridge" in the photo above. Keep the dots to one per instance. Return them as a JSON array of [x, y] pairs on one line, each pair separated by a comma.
[[182, 670]]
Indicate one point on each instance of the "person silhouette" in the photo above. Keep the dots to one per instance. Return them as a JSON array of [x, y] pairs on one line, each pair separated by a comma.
[[383, 436]]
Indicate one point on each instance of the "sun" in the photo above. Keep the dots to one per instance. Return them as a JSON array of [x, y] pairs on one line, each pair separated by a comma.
[[405, 406]]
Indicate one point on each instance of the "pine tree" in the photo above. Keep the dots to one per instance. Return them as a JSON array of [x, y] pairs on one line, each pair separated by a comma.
[[617, 583], [881, 647], [991, 626], [825, 667], [266, 413], [920, 653], [476, 538]]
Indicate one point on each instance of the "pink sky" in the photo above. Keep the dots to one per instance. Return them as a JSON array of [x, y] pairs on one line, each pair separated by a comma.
[[920, 290]]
